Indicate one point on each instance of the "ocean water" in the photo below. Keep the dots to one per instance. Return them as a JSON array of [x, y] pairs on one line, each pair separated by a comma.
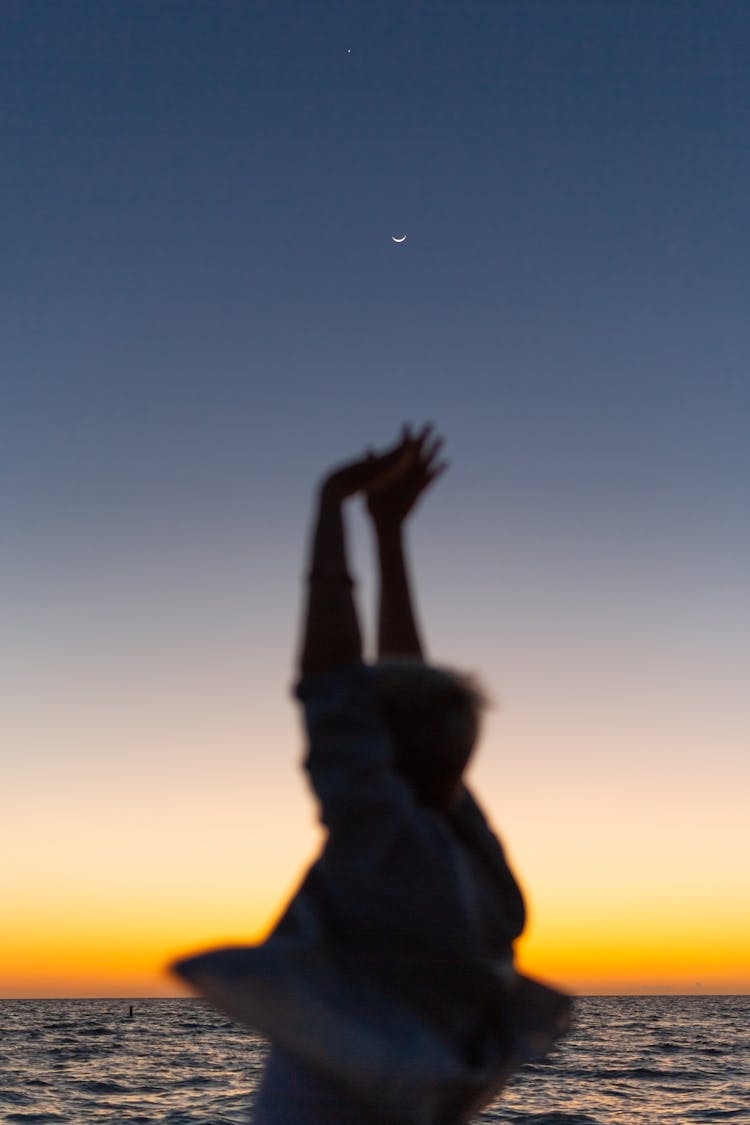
[[629, 1061]]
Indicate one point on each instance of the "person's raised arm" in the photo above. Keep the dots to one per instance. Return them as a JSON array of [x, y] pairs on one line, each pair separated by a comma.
[[390, 501], [331, 635]]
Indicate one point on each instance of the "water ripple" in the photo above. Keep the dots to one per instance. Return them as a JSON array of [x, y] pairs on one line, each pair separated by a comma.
[[629, 1061]]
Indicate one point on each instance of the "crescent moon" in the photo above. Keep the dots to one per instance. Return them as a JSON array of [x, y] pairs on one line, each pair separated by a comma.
[[401, 239]]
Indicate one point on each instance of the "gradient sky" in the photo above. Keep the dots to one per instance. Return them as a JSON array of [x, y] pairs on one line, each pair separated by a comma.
[[202, 308]]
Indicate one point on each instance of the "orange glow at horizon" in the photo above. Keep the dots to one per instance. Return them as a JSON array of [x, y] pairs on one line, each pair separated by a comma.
[[117, 963], [163, 849], [120, 944]]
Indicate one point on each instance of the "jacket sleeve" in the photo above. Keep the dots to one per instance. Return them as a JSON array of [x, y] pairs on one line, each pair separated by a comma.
[[350, 756], [389, 862]]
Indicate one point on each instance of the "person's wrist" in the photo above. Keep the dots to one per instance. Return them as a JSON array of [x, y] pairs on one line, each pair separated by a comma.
[[387, 525], [331, 491]]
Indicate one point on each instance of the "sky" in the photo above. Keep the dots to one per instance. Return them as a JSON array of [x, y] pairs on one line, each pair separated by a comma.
[[203, 308]]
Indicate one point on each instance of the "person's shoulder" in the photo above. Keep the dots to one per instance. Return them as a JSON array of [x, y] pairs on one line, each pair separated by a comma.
[[467, 811], [341, 702], [471, 826], [343, 680]]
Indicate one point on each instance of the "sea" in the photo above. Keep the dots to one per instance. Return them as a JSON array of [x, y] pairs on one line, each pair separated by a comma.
[[630, 1060]]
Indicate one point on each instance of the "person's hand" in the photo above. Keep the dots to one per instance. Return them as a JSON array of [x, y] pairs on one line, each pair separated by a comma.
[[391, 496], [371, 471]]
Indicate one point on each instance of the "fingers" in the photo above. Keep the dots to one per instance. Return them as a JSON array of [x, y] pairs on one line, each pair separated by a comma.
[[437, 471], [424, 445], [389, 467], [415, 455], [431, 449], [425, 465], [419, 439], [428, 448]]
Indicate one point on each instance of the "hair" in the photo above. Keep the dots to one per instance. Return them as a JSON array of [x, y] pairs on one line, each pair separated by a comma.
[[433, 715]]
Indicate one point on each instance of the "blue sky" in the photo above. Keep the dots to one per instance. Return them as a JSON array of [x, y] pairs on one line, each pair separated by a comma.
[[199, 205], [202, 307]]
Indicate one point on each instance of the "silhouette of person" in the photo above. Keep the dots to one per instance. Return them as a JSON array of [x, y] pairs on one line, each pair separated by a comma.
[[388, 989]]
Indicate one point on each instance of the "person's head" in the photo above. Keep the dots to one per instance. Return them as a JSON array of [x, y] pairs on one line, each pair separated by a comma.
[[433, 715]]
